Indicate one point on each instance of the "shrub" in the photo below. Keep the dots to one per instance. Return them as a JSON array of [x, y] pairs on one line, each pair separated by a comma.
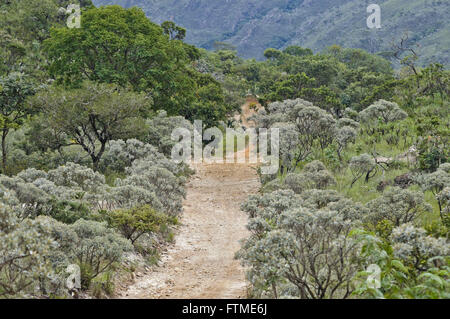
[[344, 136], [383, 111], [168, 188], [318, 175], [121, 154], [312, 251], [31, 201], [316, 199], [31, 174], [296, 182], [415, 248], [362, 165], [397, 205], [436, 182], [137, 221], [160, 130], [288, 145], [98, 249], [399, 280], [24, 247], [128, 196], [78, 177], [59, 258]]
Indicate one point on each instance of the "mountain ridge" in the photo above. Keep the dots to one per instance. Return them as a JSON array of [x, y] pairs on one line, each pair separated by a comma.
[[252, 25]]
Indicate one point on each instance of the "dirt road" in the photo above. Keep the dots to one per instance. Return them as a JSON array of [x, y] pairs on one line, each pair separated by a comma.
[[201, 263]]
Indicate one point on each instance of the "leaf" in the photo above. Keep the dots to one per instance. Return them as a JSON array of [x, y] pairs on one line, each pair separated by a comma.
[[397, 264]]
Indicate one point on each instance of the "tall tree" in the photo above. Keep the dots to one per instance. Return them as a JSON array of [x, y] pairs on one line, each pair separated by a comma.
[[15, 88], [122, 46], [93, 115]]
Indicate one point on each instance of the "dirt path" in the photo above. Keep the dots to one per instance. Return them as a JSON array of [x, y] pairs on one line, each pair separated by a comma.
[[201, 263]]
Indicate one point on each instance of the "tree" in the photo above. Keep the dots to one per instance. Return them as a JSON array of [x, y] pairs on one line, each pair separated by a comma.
[[436, 182], [314, 126], [173, 31], [272, 54], [404, 46], [297, 51], [313, 251], [321, 257], [160, 129], [12, 51], [362, 165], [122, 46], [93, 115], [24, 246], [383, 111], [397, 205], [15, 88], [137, 221], [344, 136]]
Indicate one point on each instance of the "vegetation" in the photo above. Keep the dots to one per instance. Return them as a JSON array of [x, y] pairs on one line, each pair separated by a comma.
[[310, 238], [253, 26], [86, 183]]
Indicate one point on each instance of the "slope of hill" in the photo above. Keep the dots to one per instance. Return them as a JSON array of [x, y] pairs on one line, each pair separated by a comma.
[[254, 25]]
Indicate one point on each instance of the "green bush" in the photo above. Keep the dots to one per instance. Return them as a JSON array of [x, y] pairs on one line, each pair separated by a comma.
[[137, 221]]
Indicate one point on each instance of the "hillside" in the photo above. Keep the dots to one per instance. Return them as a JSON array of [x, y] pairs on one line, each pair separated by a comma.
[[253, 25]]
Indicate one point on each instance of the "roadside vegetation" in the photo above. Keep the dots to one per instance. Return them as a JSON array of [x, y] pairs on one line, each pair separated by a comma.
[[87, 182]]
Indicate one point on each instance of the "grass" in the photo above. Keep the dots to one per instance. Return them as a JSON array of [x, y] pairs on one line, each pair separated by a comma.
[[364, 192]]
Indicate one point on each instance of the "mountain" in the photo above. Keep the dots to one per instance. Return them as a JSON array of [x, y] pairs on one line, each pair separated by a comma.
[[254, 25]]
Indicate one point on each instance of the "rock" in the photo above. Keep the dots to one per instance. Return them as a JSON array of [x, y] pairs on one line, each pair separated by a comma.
[[382, 185], [403, 181]]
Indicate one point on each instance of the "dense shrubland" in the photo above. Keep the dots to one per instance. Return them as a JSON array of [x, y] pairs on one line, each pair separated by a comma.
[[345, 199], [86, 117], [86, 178], [86, 221]]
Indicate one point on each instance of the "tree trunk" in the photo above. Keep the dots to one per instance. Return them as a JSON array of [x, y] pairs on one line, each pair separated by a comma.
[[4, 134], [274, 289], [95, 162]]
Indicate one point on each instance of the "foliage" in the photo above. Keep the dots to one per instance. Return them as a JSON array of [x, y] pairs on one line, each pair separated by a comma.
[[168, 188], [14, 89], [160, 129], [310, 250], [383, 111], [93, 115], [24, 246], [98, 249], [415, 248], [398, 205], [362, 165], [397, 281], [438, 183], [122, 46], [137, 221]]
